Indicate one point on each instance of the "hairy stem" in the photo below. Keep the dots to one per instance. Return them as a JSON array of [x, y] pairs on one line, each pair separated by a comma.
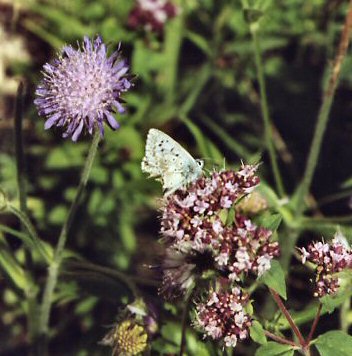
[[265, 113], [25, 221], [56, 263], [314, 325], [20, 161], [184, 324], [324, 112], [32, 290], [288, 317], [280, 339]]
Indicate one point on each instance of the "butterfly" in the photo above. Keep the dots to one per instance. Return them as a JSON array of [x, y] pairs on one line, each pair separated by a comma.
[[169, 162]]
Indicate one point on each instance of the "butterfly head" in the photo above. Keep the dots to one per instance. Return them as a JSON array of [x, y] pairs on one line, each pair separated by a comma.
[[200, 163]]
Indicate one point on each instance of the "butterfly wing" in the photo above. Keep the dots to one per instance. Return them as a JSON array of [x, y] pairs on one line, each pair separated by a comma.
[[168, 160]]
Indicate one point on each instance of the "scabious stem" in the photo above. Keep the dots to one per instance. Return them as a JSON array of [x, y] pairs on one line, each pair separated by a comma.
[[324, 112], [265, 112], [58, 255], [20, 162], [184, 324], [32, 290]]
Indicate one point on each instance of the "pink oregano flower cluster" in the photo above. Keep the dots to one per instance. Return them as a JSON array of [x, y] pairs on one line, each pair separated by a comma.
[[152, 15], [330, 258], [203, 231], [196, 222], [222, 316]]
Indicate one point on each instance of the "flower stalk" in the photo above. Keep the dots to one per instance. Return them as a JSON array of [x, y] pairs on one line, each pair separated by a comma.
[[58, 255], [315, 323], [288, 317], [324, 112], [265, 112]]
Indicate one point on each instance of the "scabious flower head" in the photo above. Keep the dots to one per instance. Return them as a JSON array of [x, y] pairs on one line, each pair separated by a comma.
[[151, 15], [81, 89], [222, 316], [181, 267], [127, 338], [330, 258], [136, 325], [195, 226]]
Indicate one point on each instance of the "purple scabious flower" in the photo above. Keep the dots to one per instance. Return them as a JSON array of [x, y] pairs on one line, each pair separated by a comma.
[[81, 89]]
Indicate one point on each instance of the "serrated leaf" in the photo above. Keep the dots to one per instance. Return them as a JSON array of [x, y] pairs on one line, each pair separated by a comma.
[[270, 221], [275, 279], [257, 333], [334, 343], [274, 348]]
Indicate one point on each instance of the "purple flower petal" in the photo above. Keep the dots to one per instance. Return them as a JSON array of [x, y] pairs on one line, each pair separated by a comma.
[[51, 121], [111, 120], [77, 131]]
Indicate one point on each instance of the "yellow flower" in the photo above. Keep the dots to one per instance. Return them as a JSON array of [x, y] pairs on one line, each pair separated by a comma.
[[129, 339]]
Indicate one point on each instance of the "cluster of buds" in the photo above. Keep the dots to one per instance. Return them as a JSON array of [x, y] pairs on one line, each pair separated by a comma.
[[200, 224], [131, 333], [223, 316], [151, 15], [330, 259]]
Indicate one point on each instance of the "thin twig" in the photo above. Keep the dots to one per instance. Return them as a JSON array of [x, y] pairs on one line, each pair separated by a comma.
[[324, 112], [184, 324], [265, 113], [288, 317], [280, 339], [20, 161], [315, 323]]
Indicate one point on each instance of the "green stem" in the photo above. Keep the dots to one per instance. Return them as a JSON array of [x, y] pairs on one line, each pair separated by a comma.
[[184, 323], [324, 113], [265, 112], [31, 290], [130, 281], [58, 255], [344, 314], [172, 43], [25, 221], [20, 162]]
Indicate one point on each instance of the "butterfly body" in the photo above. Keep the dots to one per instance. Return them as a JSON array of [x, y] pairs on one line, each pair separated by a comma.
[[169, 162]]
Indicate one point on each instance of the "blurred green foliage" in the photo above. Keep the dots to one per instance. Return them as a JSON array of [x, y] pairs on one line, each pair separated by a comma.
[[198, 83]]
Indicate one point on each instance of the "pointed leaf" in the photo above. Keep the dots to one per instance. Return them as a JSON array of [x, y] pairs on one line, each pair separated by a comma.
[[275, 278]]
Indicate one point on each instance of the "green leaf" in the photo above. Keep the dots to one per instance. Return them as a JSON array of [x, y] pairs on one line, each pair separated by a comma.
[[206, 147], [274, 348], [66, 156], [334, 343], [12, 269], [257, 333], [275, 279], [228, 140], [270, 221]]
